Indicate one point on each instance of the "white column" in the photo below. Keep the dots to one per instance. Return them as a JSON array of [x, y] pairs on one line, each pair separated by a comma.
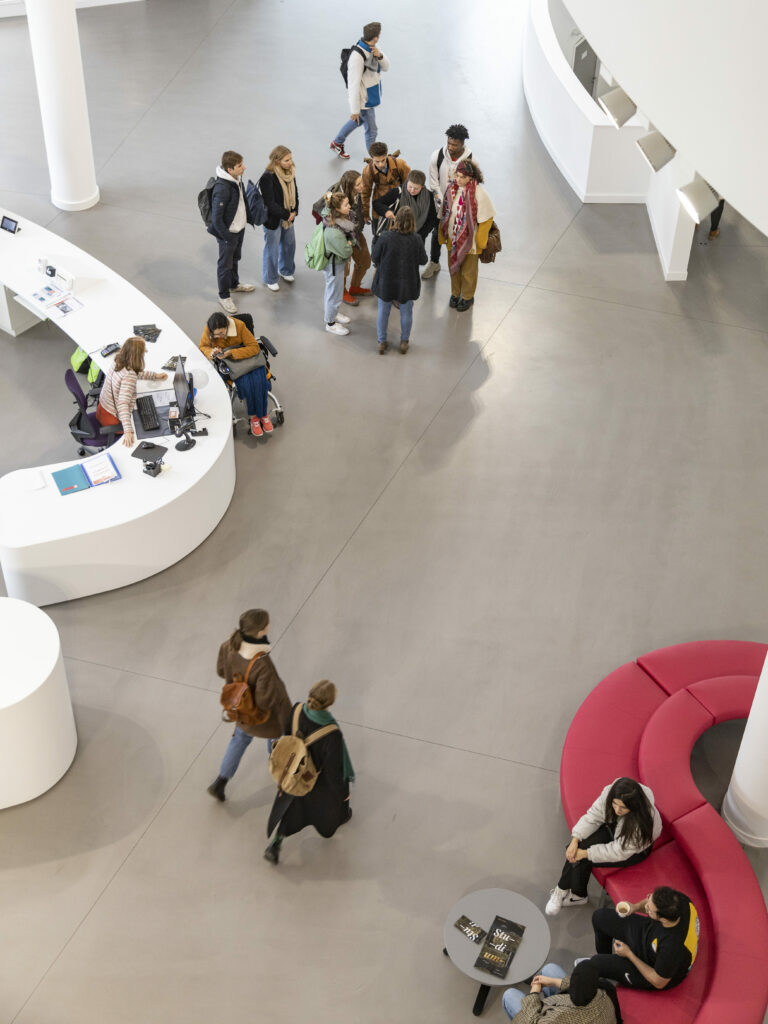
[[745, 808], [672, 227], [58, 64]]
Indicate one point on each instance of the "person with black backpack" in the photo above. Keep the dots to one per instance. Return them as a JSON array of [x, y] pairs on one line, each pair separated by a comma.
[[229, 215], [442, 171], [361, 67], [323, 765]]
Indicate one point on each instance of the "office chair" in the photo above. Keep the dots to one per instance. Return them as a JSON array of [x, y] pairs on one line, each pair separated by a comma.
[[89, 434]]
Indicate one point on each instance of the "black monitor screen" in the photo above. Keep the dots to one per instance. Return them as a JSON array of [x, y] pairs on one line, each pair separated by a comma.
[[183, 391]]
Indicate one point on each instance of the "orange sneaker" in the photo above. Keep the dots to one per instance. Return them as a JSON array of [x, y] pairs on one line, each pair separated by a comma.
[[266, 423], [350, 299], [359, 291], [256, 427]]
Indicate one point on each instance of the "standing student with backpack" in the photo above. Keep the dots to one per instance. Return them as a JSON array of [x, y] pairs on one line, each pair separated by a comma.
[[245, 658], [326, 805], [442, 172], [339, 234], [229, 215], [361, 68]]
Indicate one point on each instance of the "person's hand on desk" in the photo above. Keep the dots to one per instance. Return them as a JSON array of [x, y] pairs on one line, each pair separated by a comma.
[[162, 376], [129, 438]]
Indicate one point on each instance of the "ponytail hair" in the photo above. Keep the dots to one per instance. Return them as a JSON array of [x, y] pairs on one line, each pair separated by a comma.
[[251, 623], [322, 695]]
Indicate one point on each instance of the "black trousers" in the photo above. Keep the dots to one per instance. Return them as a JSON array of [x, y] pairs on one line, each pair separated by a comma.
[[576, 876], [609, 926], [226, 269], [434, 251], [714, 217]]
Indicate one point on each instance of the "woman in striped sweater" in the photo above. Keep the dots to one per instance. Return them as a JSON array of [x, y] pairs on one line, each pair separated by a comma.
[[118, 395]]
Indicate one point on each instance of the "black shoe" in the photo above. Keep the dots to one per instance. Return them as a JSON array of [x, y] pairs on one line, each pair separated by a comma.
[[217, 787], [454, 302], [349, 815], [464, 304], [272, 853]]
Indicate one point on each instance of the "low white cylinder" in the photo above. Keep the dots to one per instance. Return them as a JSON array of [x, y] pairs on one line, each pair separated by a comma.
[[37, 728], [55, 43], [745, 808]]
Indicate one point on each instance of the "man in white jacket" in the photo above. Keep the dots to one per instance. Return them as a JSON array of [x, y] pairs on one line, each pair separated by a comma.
[[442, 171], [364, 67]]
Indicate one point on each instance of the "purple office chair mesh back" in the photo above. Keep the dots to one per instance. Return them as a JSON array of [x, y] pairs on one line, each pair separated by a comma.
[[85, 427]]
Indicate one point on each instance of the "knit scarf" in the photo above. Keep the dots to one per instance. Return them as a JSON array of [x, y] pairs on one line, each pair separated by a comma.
[[465, 222], [326, 718], [419, 204], [287, 181]]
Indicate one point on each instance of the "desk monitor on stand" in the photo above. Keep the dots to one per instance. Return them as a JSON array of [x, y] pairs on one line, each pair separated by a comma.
[[185, 399]]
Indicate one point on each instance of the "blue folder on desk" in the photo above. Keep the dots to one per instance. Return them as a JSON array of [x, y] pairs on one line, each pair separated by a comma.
[[71, 479]]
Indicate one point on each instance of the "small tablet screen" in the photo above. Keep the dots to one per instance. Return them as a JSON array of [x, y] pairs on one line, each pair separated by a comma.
[[7, 224]]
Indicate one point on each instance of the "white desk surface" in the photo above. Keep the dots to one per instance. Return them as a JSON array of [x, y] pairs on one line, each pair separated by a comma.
[[29, 649], [32, 512]]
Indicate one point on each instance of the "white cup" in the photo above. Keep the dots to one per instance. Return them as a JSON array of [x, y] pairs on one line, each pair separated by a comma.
[[623, 908]]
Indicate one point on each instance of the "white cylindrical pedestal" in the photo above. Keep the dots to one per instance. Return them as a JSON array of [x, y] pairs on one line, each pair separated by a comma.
[[58, 64], [37, 728], [745, 808]]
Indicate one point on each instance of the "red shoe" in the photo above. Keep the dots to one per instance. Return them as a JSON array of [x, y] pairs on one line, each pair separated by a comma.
[[350, 299], [339, 151], [266, 423], [256, 427], [359, 291]]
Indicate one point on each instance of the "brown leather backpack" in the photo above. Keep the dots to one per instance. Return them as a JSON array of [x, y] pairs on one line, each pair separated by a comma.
[[237, 699], [493, 248]]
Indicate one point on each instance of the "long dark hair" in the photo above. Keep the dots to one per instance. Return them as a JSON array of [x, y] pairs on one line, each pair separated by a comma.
[[637, 827]]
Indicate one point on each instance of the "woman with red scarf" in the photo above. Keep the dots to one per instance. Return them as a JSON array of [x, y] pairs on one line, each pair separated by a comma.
[[465, 221]]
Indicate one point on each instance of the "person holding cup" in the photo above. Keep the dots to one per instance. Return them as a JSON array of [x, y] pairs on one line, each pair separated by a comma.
[[619, 829]]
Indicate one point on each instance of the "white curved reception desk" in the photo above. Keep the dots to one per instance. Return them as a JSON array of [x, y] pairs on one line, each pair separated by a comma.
[[56, 547]]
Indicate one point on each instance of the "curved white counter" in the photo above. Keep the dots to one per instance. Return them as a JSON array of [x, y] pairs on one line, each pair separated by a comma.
[[57, 547]]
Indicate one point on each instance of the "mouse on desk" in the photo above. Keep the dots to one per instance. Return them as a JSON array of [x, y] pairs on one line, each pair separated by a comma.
[[146, 444]]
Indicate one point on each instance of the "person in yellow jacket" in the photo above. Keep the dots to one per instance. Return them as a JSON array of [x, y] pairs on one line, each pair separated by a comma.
[[465, 223]]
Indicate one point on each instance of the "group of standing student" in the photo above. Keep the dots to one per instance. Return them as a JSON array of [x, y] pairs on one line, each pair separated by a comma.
[[246, 655], [649, 944]]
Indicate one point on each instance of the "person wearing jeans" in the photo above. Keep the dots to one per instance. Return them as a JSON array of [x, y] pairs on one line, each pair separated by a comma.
[[398, 254], [366, 62], [338, 234], [281, 197], [229, 216], [579, 999]]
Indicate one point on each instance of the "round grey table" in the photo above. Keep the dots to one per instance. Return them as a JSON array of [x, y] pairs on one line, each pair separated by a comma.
[[482, 907]]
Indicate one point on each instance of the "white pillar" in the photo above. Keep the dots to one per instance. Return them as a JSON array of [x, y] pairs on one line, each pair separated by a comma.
[[58, 64], [745, 808], [672, 227]]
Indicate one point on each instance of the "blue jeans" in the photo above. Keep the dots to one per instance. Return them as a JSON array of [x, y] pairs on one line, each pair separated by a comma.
[[279, 252], [513, 998], [334, 289], [406, 319], [235, 750], [368, 120]]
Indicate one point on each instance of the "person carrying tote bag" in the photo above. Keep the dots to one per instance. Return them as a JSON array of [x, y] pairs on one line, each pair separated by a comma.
[[228, 340]]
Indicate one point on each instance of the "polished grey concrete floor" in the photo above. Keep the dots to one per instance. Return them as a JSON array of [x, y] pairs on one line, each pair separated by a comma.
[[466, 539]]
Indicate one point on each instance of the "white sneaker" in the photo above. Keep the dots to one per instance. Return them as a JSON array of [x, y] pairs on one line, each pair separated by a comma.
[[243, 287], [580, 960], [288, 277], [274, 287], [336, 328], [574, 901], [430, 270], [555, 902], [227, 304], [342, 318]]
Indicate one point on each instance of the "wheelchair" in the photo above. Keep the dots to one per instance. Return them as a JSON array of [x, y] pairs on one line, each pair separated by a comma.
[[275, 410]]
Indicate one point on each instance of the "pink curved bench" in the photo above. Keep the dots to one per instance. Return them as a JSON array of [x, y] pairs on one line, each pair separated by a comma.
[[643, 720]]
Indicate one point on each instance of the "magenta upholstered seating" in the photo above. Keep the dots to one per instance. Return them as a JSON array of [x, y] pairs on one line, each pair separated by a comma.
[[678, 666]]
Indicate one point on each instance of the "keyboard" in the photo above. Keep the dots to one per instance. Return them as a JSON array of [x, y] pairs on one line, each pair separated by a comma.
[[145, 406]]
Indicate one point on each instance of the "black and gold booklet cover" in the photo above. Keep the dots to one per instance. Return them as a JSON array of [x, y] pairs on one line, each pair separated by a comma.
[[470, 929], [500, 946]]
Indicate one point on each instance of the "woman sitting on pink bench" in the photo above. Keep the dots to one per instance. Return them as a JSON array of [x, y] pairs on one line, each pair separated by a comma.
[[619, 829]]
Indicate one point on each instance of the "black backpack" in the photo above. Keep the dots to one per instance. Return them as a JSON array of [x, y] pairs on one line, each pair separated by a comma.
[[344, 66], [441, 157], [204, 200]]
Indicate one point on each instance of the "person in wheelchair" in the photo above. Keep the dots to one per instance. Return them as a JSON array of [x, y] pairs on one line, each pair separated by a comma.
[[229, 337]]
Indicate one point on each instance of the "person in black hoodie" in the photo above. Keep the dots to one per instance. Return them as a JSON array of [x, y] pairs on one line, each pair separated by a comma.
[[397, 255], [281, 197], [229, 215]]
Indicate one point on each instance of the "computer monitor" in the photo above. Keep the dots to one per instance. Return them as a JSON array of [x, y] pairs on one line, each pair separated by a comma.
[[182, 387]]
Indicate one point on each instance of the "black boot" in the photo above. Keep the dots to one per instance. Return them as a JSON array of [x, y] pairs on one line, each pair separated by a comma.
[[217, 787], [272, 852]]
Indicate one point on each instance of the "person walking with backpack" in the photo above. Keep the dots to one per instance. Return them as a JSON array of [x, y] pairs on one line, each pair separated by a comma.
[[442, 171], [325, 805], [361, 68], [339, 233], [465, 223], [245, 657], [229, 215], [398, 254], [281, 196]]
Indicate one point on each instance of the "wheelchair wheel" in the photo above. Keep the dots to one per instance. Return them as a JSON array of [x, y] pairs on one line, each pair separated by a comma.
[[279, 417]]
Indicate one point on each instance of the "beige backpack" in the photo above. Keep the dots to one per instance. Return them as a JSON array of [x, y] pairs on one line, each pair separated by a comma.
[[291, 764]]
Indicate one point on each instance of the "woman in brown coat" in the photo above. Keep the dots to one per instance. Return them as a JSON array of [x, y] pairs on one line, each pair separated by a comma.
[[247, 651]]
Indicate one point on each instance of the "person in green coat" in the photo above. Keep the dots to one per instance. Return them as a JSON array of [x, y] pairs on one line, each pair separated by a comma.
[[338, 235]]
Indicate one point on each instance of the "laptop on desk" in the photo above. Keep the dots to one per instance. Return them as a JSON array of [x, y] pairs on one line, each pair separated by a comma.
[[162, 400]]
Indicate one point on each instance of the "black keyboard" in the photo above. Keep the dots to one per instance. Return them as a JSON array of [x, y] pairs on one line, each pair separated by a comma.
[[145, 406]]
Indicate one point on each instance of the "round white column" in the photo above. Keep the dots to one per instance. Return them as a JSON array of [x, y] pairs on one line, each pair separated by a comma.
[[58, 64], [37, 728], [745, 808]]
